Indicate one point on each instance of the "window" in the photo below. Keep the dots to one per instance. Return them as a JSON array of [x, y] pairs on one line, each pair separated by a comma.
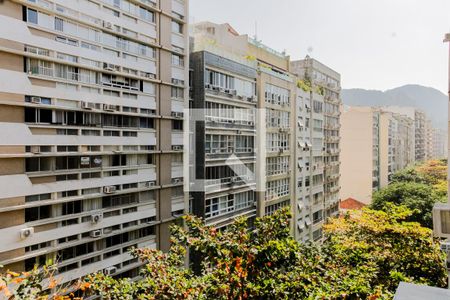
[[32, 16], [37, 213], [177, 60], [277, 165], [40, 197], [277, 188], [74, 207], [59, 24], [276, 95], [38, 164], [146, 14], [177, 125], [277, 142], [177, 27], [177, 92], [274, 207]]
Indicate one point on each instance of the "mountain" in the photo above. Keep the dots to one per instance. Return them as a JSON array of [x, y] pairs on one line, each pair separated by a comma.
[[428, 99]]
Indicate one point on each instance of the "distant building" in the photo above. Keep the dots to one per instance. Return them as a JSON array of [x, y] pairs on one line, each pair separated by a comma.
[[420, 128], [375, 144]]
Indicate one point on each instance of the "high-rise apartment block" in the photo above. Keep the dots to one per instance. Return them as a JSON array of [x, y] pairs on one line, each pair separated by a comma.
[[420, 124], [326, 82], [92, 95], [375, 144], [223, 108], [251, 96]]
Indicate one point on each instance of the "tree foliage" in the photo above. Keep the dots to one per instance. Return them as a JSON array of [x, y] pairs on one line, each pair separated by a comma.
[[418, 197], [364, 256], [418, 188]]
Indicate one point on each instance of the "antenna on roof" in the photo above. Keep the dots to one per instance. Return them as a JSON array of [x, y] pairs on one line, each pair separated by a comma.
[[256, 30]]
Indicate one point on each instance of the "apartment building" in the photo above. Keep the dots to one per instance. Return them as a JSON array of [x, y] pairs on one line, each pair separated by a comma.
[[276, 88], [92, 95], [429, 135], [290, 140], [439, 143], [266, 102], [223, 112], [420, 132], [310, 204], [386, 138], [326, 82]]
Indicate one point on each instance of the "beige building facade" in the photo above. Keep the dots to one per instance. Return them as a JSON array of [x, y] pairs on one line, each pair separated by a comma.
[[92, 96], [375, 144]]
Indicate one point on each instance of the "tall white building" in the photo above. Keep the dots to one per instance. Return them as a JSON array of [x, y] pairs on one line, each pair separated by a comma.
[[326, 82], [92, 94]]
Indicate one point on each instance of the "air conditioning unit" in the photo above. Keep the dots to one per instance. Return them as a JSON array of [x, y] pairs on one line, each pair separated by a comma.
[[36, 100], [233, 92], [150, 183], [109, 189], [109, 67], [235, 179], [97, 218], [87, 105], [177, 148], [177, 114], [109, 107], [176, 180], [26, 232], [110, 271], [35, 149], [107, 25], [95, 234], [207, 86]]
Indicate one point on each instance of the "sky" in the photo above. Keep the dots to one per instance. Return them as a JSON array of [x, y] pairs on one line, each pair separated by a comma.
[[374, 44]]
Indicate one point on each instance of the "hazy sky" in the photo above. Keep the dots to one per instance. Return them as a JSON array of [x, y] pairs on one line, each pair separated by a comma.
[[374, 44]]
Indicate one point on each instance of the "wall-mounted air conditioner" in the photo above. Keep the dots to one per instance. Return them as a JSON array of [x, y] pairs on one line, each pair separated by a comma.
[[26, 232], [109, 189], [107, 25], [97, 218], [109, 107], [95, 234], [36, 100], [110, 271]]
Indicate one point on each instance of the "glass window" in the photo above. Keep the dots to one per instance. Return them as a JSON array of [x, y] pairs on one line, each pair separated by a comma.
[[177, 27], [32, 16]]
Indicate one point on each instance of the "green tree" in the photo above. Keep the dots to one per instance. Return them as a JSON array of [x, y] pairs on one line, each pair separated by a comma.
[[418, 197], [409, 175], [396, 250], [364, 256]]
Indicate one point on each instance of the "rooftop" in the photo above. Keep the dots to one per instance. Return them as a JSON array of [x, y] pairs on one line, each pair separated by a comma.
[[350, 204]]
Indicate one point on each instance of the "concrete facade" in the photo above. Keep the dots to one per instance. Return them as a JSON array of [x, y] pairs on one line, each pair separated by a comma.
[[92, 96], [289, 126], [375, 144]]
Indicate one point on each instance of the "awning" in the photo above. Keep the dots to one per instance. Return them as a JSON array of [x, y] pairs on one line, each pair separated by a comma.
[[308, 221]]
